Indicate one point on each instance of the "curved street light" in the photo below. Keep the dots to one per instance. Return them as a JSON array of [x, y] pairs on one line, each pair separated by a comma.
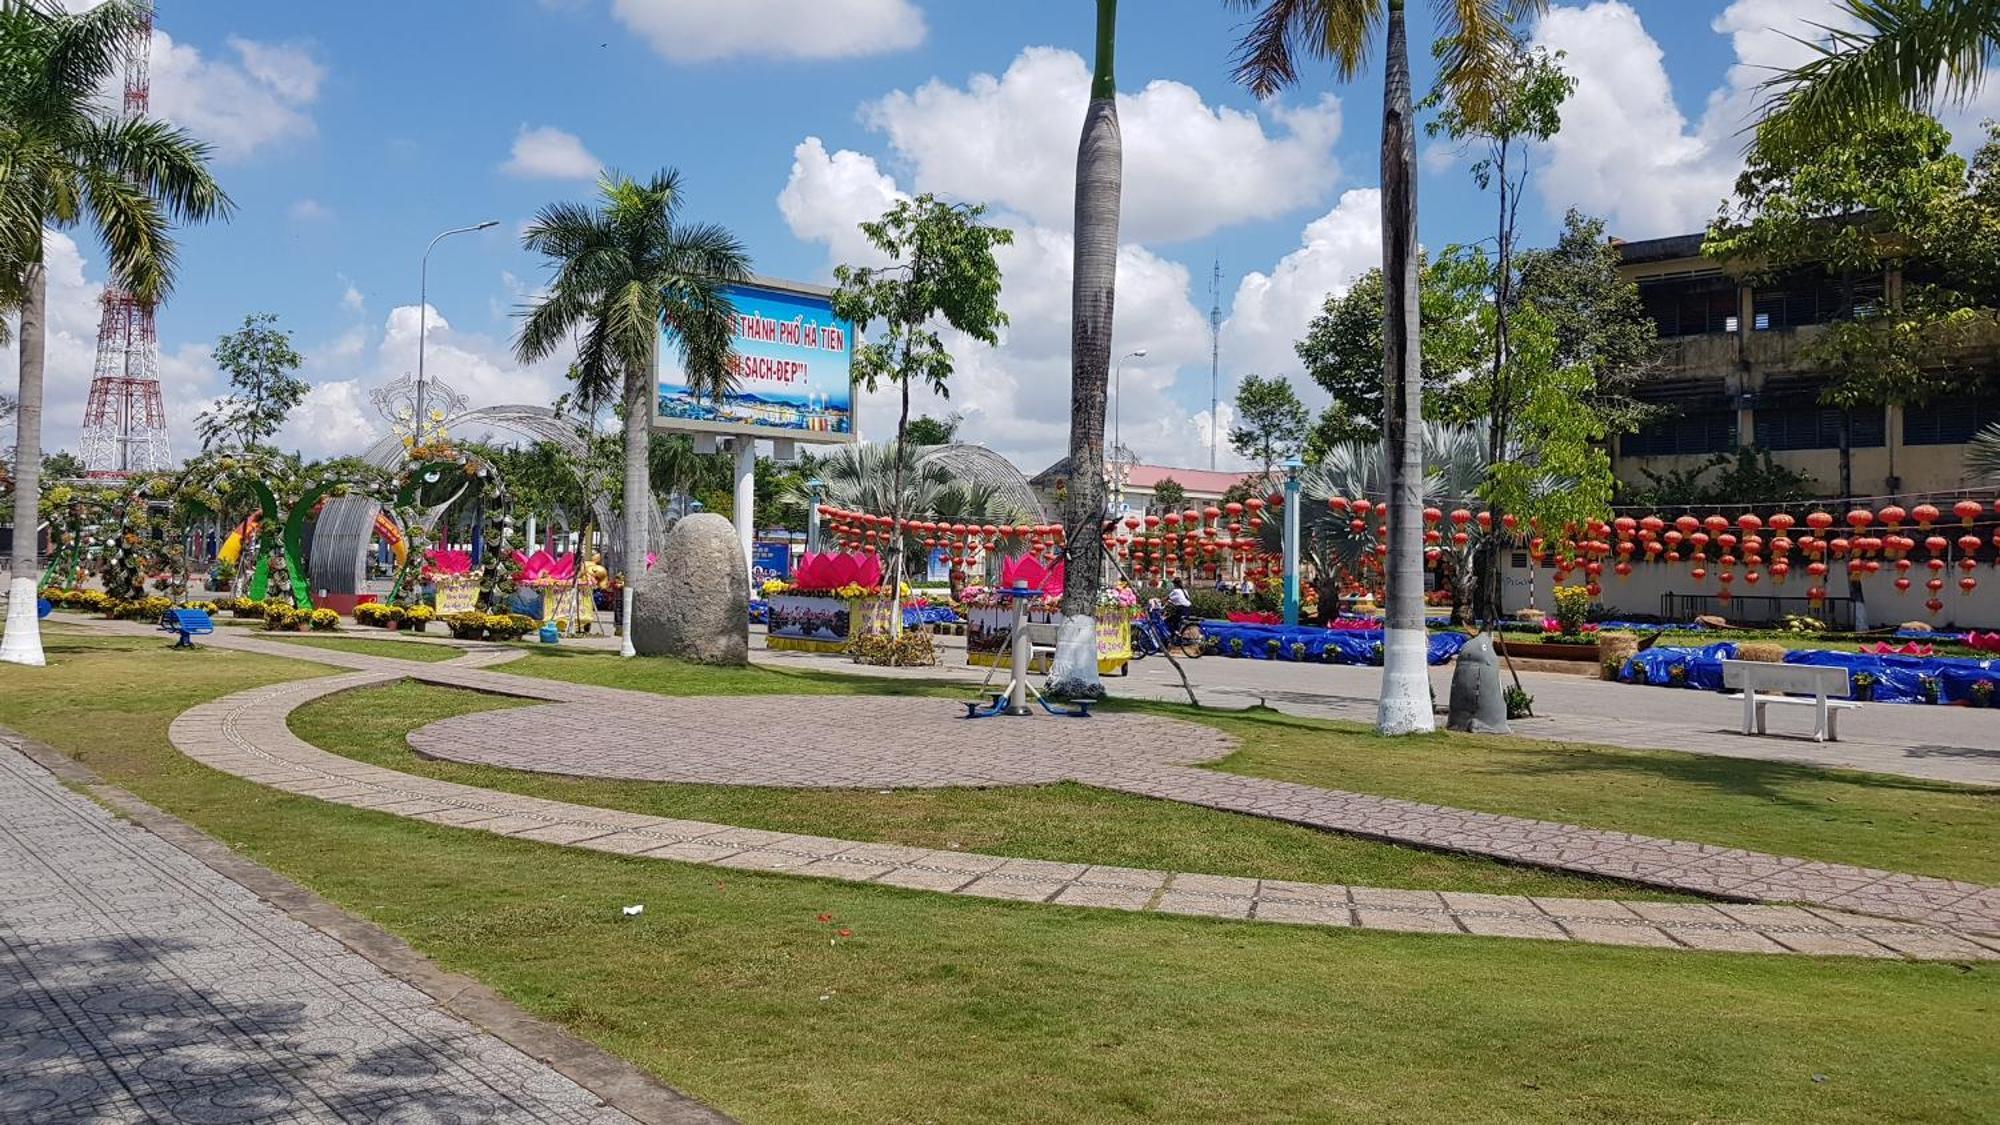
[[1118, 412], [423, 317]]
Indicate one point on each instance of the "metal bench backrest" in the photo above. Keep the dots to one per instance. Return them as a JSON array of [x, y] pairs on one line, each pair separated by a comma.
[[1041, 635], [1803, 679]]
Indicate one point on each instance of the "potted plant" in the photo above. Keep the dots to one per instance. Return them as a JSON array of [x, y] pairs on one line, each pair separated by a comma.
[[1930, 687], [1863, 684], [1677, 675], [1520, 705], [1299, 651], [1980, 694]]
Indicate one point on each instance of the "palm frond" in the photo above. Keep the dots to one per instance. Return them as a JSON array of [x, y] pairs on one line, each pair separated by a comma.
[[1982, 454], [1476, 48], [1897, 53], [1283, 31], [168, 163], [133, 230]]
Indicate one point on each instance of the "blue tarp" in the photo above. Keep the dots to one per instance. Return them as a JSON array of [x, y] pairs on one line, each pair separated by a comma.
[[1898, 679], [1312, 644], [1703, 665], [912, 616]]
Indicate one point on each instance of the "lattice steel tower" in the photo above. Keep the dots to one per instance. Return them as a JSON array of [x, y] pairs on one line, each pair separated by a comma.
[[125, 422]]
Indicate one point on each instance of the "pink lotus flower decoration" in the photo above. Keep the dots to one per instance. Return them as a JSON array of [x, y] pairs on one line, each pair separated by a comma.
[[832, 570], [1983, 642], [543, 569], [1024, 572], [449, 563], [1912, 648]]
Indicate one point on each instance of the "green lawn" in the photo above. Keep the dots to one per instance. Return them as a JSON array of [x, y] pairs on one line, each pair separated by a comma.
[[1071, 823], [946, 1009], [371, 646], [1874, 820]]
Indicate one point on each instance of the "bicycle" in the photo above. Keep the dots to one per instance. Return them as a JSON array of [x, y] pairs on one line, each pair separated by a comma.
[[1153, 635]]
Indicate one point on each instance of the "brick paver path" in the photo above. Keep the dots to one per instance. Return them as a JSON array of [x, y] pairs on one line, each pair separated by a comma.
[[137, 984], [868, 742], [246, 734]]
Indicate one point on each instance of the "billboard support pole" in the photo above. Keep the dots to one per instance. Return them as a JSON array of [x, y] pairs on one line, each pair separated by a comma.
[[746, 495]]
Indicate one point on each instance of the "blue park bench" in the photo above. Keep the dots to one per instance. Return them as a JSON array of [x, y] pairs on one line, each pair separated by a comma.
[[189, 623]]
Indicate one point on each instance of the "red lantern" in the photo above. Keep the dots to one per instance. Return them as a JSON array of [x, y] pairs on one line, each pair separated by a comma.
[[1924, 514], [1893, 516], [1934, 606], [1860, 518], [1967, 584], [1816, 596], [1967, 511], [1902, 585], [1748, 522], [1782, 523], [1819, 521]]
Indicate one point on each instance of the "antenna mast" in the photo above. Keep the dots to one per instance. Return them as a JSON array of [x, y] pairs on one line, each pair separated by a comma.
[[1214, 362], [124, 421]]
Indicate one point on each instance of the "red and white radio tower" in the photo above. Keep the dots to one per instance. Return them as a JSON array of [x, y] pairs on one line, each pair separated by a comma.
[[124, 422]]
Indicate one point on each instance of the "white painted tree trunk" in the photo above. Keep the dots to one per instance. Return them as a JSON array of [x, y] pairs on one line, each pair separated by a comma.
[[1405, 706], [23, 642], [639, 392], [1099, 172]]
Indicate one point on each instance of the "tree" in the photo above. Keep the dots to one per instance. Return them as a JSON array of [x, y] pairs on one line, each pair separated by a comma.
[[1526, 108], [1275, 422], [625, 270], [259, 360], [941, 267], [925, 430], [1849, 209], [62, 465], [65, 161], [1342, 347], [1100, 162], [1599, 321], [1476, 40], [1899, 54], [1168, 496]]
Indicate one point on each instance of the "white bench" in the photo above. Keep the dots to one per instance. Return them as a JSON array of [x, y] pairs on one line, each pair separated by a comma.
[[1761, 684]]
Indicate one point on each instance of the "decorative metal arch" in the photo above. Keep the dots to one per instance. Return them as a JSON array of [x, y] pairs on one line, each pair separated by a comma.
[[340, 538], [981, 465]]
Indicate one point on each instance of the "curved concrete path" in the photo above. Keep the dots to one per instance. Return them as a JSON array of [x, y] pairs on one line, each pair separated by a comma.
[[245, 734]]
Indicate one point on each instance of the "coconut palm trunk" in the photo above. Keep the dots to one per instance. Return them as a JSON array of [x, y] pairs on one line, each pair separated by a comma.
[[23, 642], [1405, 706], [1099, 170], [639, 384]]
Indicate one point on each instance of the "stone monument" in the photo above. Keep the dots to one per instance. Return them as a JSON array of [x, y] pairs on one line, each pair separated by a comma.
[[695, 603], [1477, 703]]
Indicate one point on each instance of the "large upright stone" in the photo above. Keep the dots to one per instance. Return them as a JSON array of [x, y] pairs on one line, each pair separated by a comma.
[[1477, 702], [695, 604]]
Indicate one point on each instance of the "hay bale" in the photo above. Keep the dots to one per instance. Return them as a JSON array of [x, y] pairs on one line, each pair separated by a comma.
[[1763, 652], [1916, 627], [1711, 621], [1613, 650]]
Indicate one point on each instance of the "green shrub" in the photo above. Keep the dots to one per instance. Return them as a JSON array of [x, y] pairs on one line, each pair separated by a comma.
[[913, 649]]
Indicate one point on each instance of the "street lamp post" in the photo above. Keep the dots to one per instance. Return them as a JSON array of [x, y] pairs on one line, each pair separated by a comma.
[[423, 318], [815, 488], [1292, 467], [1117, 414]]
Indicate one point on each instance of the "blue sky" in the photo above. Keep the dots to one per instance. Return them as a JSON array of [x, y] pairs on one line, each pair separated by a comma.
[[349, 135]]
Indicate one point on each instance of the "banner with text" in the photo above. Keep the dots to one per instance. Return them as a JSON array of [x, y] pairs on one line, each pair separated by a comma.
[[794, 371]]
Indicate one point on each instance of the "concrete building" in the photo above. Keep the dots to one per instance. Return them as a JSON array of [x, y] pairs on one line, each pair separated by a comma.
[[1135, 491], [1734, 373]]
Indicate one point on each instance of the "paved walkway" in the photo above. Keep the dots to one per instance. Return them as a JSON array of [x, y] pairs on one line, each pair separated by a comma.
[[246, 734], [1953, 744], [138, 984]]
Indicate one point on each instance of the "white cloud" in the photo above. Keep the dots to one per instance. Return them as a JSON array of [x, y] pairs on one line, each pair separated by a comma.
[[1271, 311], [350, 297], [1016, 397], [702, 30], [1190, 168], [188, 379], [548, 153], [238, 107], [309, 210]]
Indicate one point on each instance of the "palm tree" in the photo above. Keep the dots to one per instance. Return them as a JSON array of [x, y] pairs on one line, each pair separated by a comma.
[[1099, 175], [1903, 53], [1982, 454], [1476, 40], [625, 270], [65, 160]]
